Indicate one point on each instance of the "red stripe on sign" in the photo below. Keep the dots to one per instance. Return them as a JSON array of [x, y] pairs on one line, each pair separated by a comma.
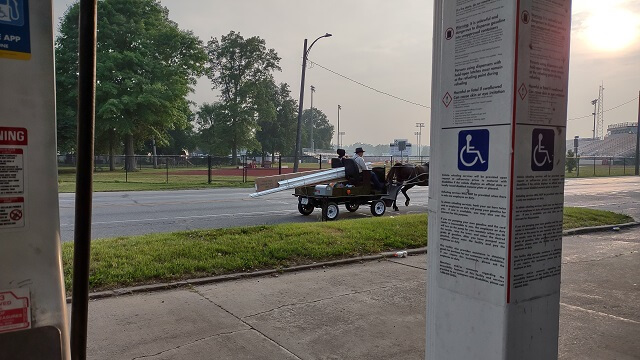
[[513, 146], [11, 200], [13, 136], [11, 151]]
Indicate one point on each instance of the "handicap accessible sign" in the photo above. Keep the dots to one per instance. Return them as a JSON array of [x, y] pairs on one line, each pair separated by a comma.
[[473, 150], [15, 41], [542, 149]]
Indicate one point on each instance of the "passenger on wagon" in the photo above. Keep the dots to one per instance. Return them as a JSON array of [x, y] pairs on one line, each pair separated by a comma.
[[359, 159]]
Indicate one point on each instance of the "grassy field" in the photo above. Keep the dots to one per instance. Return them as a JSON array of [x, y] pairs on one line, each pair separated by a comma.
[[148, 179], [602, 170], [126, 261]]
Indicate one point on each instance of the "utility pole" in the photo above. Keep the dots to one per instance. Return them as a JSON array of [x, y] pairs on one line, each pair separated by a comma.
[[417, 134], [311, 143], [638, 139]]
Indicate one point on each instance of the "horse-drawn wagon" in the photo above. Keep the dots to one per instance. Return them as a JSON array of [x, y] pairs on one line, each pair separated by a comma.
[[353, 192], [345, 185]]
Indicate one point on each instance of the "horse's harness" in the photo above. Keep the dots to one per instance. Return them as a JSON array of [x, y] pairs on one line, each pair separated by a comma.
[[414, 177]]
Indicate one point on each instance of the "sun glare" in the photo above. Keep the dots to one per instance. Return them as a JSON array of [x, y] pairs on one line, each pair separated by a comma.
[[612, 29]]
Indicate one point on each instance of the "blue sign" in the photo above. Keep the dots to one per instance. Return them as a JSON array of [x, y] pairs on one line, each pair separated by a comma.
[[473, 150], [542, 149], [15, 41]]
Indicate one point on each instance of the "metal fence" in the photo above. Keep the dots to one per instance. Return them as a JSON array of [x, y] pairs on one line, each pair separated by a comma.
[[205, 169], [591, 166]]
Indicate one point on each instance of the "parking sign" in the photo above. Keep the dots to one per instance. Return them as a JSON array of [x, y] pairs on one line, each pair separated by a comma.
[[473, 150]]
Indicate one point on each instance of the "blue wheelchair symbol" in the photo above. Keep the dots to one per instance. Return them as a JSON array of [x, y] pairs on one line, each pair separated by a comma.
[[473, 150], [11, 12], [542, 148]]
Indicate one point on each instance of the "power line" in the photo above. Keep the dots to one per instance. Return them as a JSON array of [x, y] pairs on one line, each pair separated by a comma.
[[613, 108], [369, 87]]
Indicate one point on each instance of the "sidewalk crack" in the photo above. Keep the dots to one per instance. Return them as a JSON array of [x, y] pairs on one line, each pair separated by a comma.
[[192, 288], [320, 300], [189, 343]]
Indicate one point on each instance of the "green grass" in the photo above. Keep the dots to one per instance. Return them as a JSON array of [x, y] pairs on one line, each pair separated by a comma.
[[583, 217], [127, 261], [602, 170], [148, 179]]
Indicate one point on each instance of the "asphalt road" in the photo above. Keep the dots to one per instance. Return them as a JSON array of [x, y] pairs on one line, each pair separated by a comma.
[[133, 213]]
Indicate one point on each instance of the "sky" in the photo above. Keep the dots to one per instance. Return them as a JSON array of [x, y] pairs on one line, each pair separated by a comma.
[[387, 45]]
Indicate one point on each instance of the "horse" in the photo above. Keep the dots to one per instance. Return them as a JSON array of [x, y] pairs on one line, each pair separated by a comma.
[[408, 175]]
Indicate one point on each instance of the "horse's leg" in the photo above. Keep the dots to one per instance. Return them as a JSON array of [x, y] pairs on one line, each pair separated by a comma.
[[395, 207], [404, 192]]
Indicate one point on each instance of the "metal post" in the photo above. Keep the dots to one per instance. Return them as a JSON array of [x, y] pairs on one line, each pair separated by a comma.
[[610, 166], [280, 164], [126, 171], [339, 108], [209, 169], [638, 139], [299, 131], [578, 166], [595, 104], [624, 166], [320, 161], [167, 167], [594, 166], [84, 176], [311, 143]]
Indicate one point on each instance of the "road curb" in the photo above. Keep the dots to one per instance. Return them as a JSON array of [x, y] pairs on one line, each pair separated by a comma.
[[239, 276], [593, 229]]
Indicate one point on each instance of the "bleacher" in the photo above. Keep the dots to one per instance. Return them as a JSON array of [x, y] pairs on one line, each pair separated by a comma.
[[619, 142]]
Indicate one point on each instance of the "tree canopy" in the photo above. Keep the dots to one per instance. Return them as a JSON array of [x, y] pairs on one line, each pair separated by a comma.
[[146, 67], [239, 69], [322, 130]]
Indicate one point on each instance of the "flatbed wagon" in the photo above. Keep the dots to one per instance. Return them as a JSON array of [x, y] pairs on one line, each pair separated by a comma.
[[356, 191]]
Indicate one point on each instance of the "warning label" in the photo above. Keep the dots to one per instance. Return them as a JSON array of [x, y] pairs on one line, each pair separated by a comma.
[[11, 212], [15, 310], [11, 172]]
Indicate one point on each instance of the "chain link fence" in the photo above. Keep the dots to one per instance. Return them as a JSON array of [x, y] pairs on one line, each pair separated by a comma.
[[592, 166]]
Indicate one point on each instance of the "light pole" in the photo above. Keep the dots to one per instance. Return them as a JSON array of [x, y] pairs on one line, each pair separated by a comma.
[[595, 104], [311, 143], [417, 134], [420, 126], [338, 133], [305, 53]]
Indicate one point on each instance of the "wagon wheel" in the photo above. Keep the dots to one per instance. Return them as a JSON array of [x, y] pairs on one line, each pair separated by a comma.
[[330, 211], [352, 206], [378, 208], [305, 209]]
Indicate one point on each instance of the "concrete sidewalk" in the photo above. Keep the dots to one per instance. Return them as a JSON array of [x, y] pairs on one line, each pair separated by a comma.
[[370, 310]]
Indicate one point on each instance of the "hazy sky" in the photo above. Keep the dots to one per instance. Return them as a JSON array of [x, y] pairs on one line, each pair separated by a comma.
[[387, 45]]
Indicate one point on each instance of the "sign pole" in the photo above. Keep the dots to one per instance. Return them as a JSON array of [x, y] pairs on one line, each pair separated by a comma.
[[33, 310], [499, 95]]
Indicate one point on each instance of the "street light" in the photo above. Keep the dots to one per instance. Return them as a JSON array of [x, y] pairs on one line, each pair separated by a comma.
[[419, 125], [305, 53], [417, 134], [338, 133], [594, 103], [311, 143]]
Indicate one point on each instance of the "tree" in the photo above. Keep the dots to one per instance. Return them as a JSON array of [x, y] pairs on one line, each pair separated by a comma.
[[571, 161], [146, 66], [277, 119], [238, 68], [322, 129]]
